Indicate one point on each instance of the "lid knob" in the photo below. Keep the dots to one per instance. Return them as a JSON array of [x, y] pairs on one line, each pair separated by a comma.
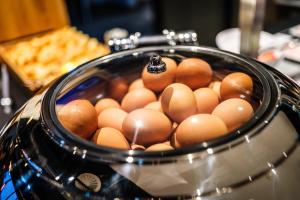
[[156, 65]]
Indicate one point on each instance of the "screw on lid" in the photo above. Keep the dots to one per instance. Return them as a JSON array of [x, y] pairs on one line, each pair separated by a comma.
[[88, 182], [156, 65]]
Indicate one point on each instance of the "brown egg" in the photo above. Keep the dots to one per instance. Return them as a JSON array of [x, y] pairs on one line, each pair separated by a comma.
[[79, 117], [156, 105], [234, 112], [112, 117], [137, 147], [117, 89], [95, 136], [199, 128], [106, 103], [194, 73], [146, 127], [138, 83], [174, 125], [110, 137], [137, 98], [58, 107], [158, 82], [206, 99], [236, 85], [174, 142], [215, 86], [178, 102], [159, 96], [159, 147]]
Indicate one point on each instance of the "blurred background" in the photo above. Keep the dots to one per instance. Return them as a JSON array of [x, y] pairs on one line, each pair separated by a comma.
[[207, 18], [42, 39]]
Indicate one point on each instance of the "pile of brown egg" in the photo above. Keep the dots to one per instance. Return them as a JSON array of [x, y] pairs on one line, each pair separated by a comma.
[[181, 106]]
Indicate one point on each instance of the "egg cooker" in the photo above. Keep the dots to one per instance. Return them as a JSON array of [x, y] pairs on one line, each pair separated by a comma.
[[39, 159]]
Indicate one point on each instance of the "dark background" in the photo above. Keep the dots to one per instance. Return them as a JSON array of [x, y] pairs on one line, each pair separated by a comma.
[[207, 18]]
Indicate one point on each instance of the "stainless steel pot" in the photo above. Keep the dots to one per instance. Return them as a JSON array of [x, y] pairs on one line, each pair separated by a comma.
[[260, 160]]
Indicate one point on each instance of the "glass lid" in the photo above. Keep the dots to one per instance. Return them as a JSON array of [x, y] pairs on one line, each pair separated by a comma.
[[159, 101]]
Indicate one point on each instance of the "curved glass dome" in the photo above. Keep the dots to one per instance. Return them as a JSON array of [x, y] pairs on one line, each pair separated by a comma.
[[95, 81]]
